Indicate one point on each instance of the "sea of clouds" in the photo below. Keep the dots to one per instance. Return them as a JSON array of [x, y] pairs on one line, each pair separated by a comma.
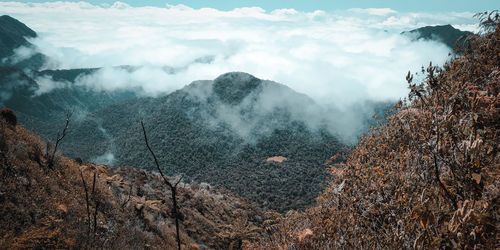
[[339, 57]]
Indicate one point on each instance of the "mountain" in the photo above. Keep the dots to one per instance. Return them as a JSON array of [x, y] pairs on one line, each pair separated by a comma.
[[221, 132], [13, 34], [446, 34], [426, 177], [39, 107], [257, 138], [76, 206]]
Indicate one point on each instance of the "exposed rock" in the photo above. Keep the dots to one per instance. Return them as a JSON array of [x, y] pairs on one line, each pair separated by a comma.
[[278, 159]]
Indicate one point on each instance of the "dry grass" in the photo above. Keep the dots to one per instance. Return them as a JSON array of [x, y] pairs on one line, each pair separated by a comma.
[[129, 208]]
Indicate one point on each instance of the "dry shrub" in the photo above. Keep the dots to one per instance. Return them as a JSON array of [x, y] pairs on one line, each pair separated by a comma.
[[8, 115], [428, 177], [42, 238]]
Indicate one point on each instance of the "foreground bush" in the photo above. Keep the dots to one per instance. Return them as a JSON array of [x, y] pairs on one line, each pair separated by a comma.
[[9, 116]]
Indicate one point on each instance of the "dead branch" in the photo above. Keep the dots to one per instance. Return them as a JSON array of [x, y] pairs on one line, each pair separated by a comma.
[[128, 199], [95, 219], [59, 139], [173, 187], [86, 202], [96, 204], [436, 166], [91, 227], [179, 180]]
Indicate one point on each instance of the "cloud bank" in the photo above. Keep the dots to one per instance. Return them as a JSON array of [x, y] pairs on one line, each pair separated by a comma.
[[339, 57]]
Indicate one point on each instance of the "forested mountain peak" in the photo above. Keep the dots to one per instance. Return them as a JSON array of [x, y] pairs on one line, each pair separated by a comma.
[[446, 34], [233, 87]]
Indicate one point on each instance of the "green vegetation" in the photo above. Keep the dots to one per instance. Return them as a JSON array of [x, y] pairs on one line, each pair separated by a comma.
[[13, 35], [189, 137], [442, 33]]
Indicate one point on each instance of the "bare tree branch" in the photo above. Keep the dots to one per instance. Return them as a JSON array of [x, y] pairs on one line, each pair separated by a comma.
[[95, 219], [173, 187], [179, 180], [59, 139], [128, 199], [436, 166], [86, 202]]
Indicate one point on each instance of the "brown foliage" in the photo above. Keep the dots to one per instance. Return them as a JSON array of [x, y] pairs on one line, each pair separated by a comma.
[[428, 177], [9, 116], [89, 206]]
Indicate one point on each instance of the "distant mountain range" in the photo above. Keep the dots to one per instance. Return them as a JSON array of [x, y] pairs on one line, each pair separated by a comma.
[[446, 34], [254, 137]]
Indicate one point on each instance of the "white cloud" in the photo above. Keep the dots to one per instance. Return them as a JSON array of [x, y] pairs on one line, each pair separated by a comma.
[[374, 11], [47, 84], [337, 57]]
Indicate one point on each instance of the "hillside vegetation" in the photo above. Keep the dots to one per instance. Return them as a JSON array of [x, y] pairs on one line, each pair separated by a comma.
[[13, 35], [429, 177], [75, 206]]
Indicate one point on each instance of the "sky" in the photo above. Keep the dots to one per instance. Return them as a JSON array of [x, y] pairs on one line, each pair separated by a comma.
[[326, 5], [342, 56]]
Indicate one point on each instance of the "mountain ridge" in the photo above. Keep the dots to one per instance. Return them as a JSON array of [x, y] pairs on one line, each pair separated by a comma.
[[12, 35], [447, 34], [196, 132]]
